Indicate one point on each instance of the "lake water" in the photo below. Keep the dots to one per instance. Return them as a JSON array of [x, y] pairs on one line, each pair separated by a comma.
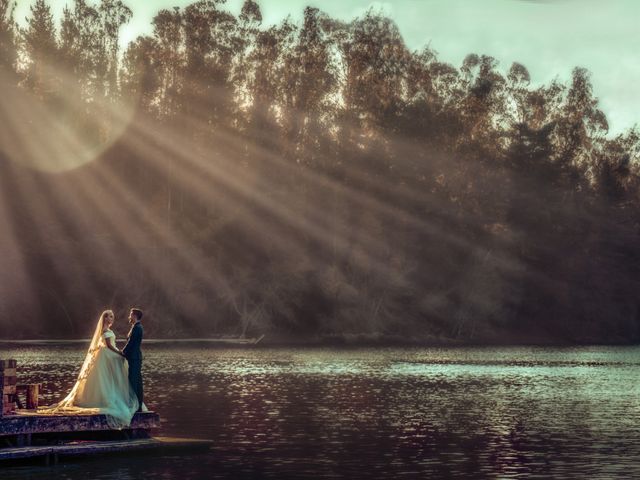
[[372, 413]]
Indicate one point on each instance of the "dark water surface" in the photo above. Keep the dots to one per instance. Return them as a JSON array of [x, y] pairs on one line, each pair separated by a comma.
[[372, 413]]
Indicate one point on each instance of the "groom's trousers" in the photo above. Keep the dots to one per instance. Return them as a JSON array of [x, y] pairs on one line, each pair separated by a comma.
[[135, 379]]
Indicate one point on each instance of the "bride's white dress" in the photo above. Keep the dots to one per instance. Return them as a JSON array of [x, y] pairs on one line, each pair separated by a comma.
[[102, 386]]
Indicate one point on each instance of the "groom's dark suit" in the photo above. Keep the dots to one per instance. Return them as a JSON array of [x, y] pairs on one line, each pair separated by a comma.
[[134, 355]]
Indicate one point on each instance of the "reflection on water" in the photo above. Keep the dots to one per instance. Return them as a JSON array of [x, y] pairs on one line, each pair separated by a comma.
[[374, 413]]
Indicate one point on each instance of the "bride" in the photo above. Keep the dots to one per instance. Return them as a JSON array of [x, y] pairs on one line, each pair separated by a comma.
[[103, 383]]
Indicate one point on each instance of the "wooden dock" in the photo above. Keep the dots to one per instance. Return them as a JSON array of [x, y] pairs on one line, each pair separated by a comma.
[[29, 422], [29, 434], [82, 448]]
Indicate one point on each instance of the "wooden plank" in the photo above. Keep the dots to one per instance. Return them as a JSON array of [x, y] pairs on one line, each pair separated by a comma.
[[84, 448], [8, 390], [26, 421], [8, 408], [23, 387], [190, 444], [32, 396], [8, 380], [31, 391], [4, 364]]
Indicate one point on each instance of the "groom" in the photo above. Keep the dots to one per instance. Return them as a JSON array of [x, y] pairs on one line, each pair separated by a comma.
[[133, 353]]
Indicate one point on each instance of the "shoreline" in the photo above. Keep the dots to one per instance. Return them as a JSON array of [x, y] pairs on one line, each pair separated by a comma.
[[335, 342]]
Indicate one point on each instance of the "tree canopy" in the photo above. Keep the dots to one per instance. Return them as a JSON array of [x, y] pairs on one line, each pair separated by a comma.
[[311, 181]]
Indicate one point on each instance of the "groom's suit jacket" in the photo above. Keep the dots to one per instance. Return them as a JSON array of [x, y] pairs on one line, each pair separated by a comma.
[[132, 349]]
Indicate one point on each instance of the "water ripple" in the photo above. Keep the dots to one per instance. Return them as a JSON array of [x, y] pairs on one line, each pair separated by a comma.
[[367, 413]]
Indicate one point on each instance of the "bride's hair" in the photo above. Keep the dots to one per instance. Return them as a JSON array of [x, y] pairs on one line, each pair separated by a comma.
[[94, 345], [104, 316]]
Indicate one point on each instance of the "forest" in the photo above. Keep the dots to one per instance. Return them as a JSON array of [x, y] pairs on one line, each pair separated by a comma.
[[313, 181]]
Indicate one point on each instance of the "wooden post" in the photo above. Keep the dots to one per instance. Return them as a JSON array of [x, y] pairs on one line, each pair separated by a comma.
[[31, 392], [32, 396], [8, 387]]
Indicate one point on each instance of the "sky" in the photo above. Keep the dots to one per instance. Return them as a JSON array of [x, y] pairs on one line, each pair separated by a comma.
[[550, 37]]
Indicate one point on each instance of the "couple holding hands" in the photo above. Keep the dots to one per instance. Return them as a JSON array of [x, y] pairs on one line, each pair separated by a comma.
[[110, 380]]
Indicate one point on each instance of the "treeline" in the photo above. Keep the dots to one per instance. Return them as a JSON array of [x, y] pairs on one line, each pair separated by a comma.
[[309, 181]]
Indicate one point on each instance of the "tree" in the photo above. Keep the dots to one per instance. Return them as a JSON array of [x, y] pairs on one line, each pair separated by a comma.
[[168, 29], [113, 15], [8, 50], [375, 59], [210, 44], [41, 48], [309, 80], [140, 76], [80, 49], [580, 123]]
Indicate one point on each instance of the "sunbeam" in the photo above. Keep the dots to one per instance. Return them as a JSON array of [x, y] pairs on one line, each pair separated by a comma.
[[233, 177]]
